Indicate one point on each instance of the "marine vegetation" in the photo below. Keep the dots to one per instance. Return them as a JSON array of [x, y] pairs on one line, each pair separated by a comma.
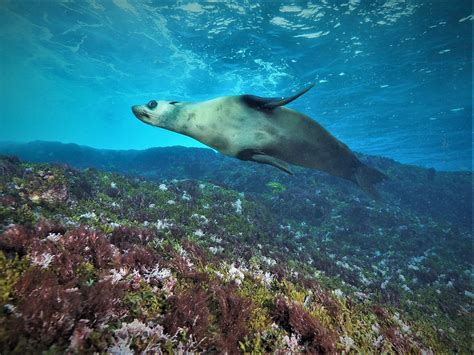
[[97, 261]]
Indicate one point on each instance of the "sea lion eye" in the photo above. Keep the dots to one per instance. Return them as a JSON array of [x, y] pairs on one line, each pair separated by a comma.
[[152, 104], [173, 102]]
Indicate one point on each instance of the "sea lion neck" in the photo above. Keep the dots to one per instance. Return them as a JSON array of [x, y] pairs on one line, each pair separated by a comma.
[[185, 119]]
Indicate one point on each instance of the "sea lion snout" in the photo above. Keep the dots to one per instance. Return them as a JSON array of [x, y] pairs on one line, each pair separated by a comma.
[[136, 110], [141, 113]]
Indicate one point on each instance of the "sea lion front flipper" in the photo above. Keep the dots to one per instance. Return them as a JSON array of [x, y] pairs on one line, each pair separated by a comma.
[[269, 103], [267, 159]]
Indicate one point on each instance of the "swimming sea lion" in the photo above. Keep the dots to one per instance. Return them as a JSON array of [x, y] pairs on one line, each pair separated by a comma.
[[260, 129]]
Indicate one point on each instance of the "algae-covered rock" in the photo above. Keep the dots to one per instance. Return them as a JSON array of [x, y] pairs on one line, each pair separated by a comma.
[[101, 262]]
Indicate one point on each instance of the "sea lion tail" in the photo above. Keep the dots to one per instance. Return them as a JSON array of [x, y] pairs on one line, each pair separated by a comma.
[[367, 177]]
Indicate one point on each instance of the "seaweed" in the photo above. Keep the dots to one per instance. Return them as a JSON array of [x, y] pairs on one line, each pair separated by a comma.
[[314, 337], [94, 262]]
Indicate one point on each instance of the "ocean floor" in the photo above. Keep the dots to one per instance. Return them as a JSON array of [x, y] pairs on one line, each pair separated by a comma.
[[180, 249]]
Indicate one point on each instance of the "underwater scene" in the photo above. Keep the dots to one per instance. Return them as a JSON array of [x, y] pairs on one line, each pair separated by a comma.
[[236, 177]]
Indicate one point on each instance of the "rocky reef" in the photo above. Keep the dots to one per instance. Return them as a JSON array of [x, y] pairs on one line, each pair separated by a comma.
[[192, 252]]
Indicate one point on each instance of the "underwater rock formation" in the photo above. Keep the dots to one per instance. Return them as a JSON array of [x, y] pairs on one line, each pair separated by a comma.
[[443, 196], [94, 261]]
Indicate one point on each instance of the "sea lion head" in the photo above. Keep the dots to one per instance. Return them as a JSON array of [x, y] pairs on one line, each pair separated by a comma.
[[157, 113]]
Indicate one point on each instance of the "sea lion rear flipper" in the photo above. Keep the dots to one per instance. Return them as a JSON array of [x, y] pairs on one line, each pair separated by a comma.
[[367, 177], [268, 103], [266, 159]]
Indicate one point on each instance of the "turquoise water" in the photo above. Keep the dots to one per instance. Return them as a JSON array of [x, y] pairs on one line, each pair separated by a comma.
[[114, 239], [393, 78]]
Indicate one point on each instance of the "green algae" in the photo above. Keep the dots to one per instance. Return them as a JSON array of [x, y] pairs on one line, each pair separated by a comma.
[[10, 271], [144, 302], [276, 187]]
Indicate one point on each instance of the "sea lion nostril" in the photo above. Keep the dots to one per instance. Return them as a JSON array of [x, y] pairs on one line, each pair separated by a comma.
[[152, 104]]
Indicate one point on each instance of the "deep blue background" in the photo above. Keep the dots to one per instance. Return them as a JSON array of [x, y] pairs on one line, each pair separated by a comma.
[[393, 77]]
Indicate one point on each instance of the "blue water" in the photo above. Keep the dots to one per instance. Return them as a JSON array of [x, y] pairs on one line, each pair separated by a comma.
[[393, 77]]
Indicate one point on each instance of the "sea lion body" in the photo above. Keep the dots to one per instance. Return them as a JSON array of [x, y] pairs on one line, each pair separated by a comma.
[[262, 130], [231, 127]]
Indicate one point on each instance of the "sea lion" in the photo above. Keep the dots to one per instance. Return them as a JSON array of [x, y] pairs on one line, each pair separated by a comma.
[[260, 129]]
